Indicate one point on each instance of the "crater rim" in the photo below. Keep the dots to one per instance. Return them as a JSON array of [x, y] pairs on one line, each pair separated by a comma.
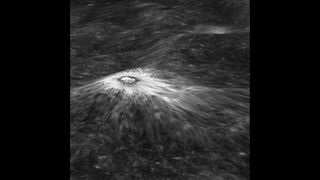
[[128, 80]]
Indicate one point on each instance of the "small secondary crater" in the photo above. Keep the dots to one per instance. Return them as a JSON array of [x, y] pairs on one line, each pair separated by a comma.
[[128, 80]]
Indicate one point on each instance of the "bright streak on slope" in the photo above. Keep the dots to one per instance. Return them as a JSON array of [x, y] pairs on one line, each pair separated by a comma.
[[142, 100]]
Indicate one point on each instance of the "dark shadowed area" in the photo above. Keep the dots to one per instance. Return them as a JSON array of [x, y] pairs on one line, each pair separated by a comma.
[[160, 89]]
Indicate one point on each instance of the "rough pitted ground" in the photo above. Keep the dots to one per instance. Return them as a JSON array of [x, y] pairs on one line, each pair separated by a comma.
[[182, 38]]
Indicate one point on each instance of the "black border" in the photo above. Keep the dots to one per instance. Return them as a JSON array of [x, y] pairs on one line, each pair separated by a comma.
[[36, 72]]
